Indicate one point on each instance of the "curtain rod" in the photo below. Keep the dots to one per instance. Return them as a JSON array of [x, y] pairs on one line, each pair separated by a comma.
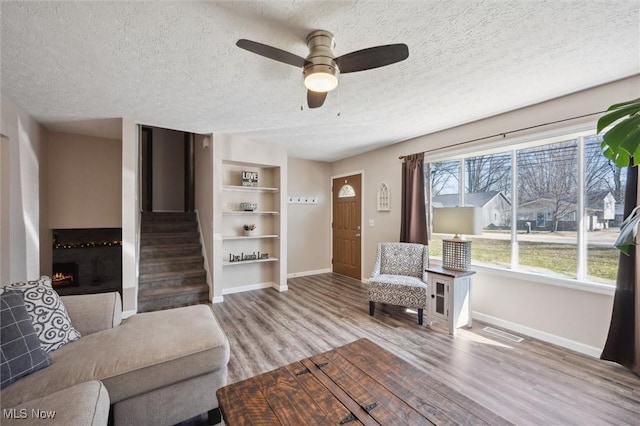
[[504, 134]]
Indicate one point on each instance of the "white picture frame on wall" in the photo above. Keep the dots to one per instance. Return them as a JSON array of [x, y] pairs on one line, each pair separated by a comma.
[[384, 198]]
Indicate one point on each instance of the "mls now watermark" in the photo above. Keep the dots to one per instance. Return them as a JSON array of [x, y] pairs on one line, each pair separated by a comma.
[[23, 413]]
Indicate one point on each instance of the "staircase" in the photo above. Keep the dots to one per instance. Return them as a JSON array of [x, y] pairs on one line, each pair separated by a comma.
[[171, 263]]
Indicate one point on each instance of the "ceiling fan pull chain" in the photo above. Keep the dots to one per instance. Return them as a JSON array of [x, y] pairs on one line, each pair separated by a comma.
[[302, 92]]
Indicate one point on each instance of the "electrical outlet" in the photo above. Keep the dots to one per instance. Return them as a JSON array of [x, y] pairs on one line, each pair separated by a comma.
[[371, 222]]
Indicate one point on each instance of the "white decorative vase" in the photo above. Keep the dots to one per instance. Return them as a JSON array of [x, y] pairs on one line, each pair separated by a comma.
[[249, 232]]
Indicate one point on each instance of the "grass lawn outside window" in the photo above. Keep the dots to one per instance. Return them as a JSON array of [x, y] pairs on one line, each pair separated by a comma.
[[544, 253]]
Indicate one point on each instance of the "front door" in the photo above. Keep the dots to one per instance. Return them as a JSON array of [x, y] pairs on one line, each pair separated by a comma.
[[347, 231]]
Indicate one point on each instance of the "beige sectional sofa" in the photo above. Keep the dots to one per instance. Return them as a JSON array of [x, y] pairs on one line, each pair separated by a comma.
[[156, 368]]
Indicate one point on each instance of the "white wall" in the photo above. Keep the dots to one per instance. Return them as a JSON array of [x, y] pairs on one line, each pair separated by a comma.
[[130, 215], [204, 202], [25, 198], [383, 165], [168, 170], [530, 305], [309, 244], [85, 182], [5, 211]]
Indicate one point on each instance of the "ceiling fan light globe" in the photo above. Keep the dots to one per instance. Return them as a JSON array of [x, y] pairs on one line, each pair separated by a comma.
[[320, 82]]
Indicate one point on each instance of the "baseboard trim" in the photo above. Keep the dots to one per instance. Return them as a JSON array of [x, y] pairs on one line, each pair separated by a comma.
[[540, 335], [307, 273], [250, 287], [218, 299], [280, 287]]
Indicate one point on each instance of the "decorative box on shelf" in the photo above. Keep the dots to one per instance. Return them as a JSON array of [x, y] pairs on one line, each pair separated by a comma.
[[249, 178], [248, 207]]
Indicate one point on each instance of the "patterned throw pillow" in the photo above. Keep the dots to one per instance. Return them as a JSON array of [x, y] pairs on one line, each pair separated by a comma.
[[20, 350], [47, 312]]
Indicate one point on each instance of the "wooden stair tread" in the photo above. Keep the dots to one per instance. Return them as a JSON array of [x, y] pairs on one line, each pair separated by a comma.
[[153, 235], [174, 259], [176, 246], [157, 276], [172, 291]]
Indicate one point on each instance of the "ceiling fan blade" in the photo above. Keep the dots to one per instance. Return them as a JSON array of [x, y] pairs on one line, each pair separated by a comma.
[[373, 57], [315, 99], [271, 52]]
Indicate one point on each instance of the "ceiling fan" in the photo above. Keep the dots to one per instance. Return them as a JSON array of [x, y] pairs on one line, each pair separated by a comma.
[[321, 68]]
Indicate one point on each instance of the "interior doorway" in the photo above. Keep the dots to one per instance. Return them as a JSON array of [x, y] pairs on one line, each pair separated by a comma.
[[347, 225], [167, 170]]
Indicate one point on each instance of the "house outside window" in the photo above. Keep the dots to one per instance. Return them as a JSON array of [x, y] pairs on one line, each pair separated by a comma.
[[550, 207]]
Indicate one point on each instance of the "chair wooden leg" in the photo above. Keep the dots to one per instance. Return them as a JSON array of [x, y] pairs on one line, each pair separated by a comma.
[[420, 315], [372, 307]]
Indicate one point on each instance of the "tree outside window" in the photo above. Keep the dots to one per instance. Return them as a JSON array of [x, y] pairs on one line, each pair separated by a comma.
[[567, 199]]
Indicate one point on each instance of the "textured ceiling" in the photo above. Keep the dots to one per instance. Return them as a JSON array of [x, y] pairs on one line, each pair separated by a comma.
[[75, 66]]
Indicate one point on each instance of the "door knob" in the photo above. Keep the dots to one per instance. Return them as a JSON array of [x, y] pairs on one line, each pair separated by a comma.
[[357, 235]]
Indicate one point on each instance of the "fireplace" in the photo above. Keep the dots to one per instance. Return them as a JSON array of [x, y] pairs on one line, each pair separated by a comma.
[[87, 260], [65, 274]]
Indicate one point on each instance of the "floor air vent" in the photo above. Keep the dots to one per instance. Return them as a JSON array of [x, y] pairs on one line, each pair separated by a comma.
[[504, 334]]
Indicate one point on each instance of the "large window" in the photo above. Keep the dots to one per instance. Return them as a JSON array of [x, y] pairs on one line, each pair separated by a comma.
[[604, 186], [549, 207]]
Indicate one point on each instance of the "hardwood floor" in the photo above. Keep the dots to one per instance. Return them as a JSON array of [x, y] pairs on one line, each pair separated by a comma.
[[527, 383]]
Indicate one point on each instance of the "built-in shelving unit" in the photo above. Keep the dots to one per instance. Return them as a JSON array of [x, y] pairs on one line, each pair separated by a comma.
[[249, 188], [244, 237], [246, 213], [246, 262], [270, 224]]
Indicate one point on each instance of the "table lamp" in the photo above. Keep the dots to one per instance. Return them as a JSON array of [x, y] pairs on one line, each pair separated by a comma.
[[456, 252]]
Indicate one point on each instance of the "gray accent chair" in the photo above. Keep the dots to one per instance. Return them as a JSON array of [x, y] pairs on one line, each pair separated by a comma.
[[400, 277]]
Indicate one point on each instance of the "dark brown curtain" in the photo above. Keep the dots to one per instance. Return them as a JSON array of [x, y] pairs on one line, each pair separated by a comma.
[[413, 223], [623, 341]]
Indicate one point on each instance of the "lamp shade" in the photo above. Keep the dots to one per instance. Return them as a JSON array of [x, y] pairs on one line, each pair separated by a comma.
[[457, 220], [321, 77]]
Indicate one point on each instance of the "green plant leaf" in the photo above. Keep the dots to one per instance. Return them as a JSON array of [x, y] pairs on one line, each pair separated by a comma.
[[615, 115], [619, 157], [621, 104], [629, 141], [628, 232], [621, 142], [617, 133], [636, 156]]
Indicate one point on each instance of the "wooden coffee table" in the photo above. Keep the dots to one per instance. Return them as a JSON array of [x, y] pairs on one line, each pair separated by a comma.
[[359, 383]]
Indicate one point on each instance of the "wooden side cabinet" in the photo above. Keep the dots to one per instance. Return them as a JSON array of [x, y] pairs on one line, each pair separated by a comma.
[[450, 296]]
